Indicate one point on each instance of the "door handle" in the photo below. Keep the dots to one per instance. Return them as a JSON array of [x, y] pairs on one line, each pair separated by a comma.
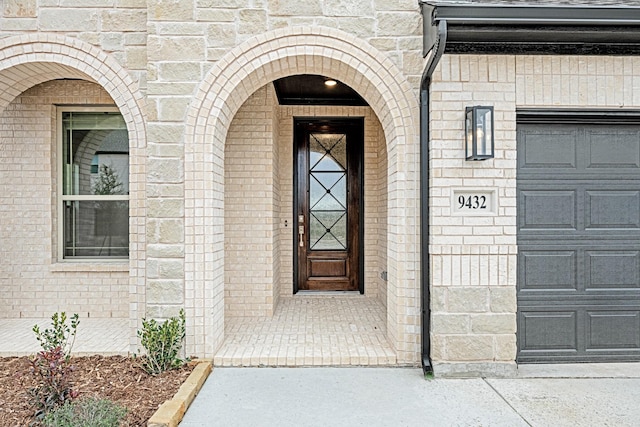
[[301, 235]]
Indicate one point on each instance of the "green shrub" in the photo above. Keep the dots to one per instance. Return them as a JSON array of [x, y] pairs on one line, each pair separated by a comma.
[[51, 367], [162, 342], [90, 412], [53, 389], [60, 335]]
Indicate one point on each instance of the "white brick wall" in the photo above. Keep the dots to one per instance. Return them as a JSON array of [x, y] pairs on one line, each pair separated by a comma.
[[202, 60], [258, 201], [34, 283], [226, 86], [251, 208], [473, 258], [163, 56]]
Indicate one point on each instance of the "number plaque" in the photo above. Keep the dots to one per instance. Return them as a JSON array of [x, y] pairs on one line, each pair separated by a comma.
[[473, 202]]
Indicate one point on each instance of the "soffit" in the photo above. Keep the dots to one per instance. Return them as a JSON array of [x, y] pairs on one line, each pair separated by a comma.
[[541, 27], [310, 89]]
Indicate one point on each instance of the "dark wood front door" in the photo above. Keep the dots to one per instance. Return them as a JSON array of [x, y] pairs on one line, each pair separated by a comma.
[[328, 204]]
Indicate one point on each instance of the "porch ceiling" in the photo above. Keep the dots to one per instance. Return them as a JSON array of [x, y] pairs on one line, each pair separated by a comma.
[[310, 89]]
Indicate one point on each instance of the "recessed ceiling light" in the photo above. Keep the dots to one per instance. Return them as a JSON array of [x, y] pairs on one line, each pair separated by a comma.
[[330, 82]]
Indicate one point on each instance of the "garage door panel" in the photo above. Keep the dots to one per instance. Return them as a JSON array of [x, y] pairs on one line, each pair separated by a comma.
[[612, 209], [547, 270], [545, 209], [612, 269], [549, 330], [613, 149], [542, 149], [612, 330], [578, 283], [578, 334]]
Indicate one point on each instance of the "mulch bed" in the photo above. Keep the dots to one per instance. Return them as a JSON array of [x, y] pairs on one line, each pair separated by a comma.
[[116, 378]]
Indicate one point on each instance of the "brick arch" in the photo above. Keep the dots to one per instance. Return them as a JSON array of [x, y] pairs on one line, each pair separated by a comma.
[[242, 71], [30, 59]]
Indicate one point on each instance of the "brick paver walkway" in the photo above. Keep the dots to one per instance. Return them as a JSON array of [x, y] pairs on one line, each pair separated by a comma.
[[310, 331], [95, 336]]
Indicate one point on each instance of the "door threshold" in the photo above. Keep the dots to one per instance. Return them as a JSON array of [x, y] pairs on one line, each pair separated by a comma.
[[328, 293]]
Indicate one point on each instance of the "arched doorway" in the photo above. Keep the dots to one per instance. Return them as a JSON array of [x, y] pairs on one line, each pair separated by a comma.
[[233, 79]]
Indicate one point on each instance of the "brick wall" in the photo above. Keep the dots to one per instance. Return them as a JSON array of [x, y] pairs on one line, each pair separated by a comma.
[[160, 56], [118, 30], [251, 207], [259, 195], [473, 262], [34, 283]]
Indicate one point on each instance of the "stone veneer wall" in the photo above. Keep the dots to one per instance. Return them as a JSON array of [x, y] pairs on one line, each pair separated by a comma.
[[154, 57], [186, 44], [173, 45], [474, 258], [33, 282], [119, 28]]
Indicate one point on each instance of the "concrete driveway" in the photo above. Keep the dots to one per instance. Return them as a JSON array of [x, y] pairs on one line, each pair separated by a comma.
[[402, 397]]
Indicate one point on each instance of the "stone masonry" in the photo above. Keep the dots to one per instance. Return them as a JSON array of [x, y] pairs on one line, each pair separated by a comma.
[[208, 142], [473, 263], [167, 66]]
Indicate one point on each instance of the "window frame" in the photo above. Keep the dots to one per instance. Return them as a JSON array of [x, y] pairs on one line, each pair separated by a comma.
[[62, 198]]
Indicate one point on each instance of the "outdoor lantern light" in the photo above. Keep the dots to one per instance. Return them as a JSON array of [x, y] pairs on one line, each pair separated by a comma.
[[479, 133]]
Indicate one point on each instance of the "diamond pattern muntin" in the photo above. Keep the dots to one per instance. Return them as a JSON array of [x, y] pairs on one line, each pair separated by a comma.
[[327, 152], [328, 191], [328, 230]]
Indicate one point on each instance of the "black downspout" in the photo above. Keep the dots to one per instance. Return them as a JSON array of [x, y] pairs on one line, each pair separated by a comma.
[[438, 50]]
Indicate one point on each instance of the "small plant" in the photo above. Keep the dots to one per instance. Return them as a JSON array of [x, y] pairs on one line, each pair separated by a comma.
[[51, 366], [90, 412], [61, 335], [52, 372], [162, 342]]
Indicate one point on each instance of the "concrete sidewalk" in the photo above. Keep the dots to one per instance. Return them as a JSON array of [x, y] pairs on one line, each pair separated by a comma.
[[402, 397]]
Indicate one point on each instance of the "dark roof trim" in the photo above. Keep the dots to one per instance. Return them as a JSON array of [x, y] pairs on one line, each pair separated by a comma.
[[466, 13], [577, 116], [474, 28]]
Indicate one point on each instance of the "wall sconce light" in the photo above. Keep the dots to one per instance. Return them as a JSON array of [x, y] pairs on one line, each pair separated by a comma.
[[479, 133], [330, 82]]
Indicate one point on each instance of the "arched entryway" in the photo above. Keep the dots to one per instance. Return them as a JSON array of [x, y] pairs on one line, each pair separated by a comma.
[[233, 79], [49, 70]]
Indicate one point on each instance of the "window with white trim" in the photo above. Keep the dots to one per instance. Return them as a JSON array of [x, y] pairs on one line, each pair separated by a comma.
[[94, 172]]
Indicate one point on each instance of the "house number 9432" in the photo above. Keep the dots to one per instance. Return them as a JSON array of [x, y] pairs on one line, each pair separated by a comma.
[[472, 202]]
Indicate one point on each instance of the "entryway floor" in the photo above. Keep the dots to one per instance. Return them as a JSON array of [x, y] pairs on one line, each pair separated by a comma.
[[310, 330], [94, 336]]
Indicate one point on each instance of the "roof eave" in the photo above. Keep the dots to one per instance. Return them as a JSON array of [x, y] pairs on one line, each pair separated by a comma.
[[473, 13], [534, 28]]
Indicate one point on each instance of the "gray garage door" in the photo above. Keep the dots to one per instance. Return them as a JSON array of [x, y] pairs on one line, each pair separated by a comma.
[[578, 192]]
